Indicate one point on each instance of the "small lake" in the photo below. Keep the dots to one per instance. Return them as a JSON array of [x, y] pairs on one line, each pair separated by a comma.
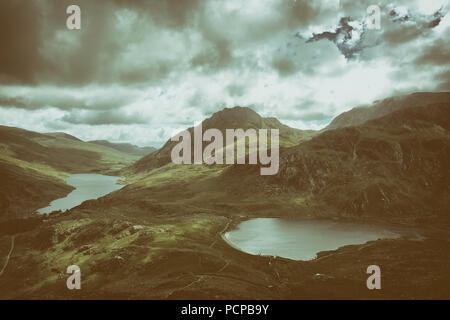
[[301, 239], [88, 186]]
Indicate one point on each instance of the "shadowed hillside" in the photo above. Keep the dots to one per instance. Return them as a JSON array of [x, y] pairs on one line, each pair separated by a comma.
[[359, 115], [396, 166]]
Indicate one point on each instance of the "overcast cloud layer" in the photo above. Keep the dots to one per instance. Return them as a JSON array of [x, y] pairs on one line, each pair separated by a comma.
[[138, 71]]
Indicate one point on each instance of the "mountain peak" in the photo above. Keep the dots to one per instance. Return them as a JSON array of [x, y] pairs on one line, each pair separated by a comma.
[[236, 117]]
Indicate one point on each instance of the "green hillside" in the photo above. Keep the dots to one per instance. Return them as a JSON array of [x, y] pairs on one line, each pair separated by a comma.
[[33, 167]]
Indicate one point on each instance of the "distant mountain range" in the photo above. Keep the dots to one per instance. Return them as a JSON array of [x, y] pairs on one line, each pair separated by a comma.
[[126, 147]]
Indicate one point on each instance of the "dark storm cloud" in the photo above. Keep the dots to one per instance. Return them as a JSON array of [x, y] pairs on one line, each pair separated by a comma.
[[396, 28], [16, 102], [216, 56], [401, 34], [171, 13], [103, 118], [67, 100], [342, 37], [220, 44], [284, 66], [20, 22], [301, 12], [436, 54], [409, 27], [38, 48], [27, 26], [443, 80]]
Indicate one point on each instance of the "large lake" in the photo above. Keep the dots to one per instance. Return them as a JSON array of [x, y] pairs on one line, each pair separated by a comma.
[[301, 239], [88, 186]]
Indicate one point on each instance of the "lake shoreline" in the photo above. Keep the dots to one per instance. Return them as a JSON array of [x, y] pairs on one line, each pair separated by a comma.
[[396, 231], [86, 186]]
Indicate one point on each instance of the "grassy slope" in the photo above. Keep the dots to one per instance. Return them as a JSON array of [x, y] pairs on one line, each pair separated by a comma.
[[159, 253], [33, 167]]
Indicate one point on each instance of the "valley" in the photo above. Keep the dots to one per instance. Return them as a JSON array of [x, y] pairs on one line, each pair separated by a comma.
[[160, 236]]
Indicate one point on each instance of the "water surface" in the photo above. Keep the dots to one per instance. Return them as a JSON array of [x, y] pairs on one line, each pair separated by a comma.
[[88, 186], [301, 239]]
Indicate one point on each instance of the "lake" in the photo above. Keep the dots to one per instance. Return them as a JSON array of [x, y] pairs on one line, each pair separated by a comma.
[[301, 239], [88, 186]]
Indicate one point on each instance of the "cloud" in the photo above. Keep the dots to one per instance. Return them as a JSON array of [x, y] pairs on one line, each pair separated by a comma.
[[103, 117], [438, 53], [314, 116], [443, 80], [152, 67], [348, 37], [20, 36], [94, 98]]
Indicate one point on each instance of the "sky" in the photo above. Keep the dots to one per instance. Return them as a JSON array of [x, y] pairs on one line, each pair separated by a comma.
[[140, 71]]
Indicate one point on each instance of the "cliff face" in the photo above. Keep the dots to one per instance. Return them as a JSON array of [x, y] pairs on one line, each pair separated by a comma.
[[398, 164]]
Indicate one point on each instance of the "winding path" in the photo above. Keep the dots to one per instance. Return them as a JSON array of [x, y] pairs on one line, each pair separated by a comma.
[[9, 255], [220, 234]]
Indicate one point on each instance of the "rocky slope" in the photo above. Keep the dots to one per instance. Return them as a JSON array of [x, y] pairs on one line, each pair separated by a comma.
[[397, 165], [359, 115]]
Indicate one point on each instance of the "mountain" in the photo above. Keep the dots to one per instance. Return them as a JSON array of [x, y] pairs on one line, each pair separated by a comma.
[[228, 118], [395, 167], [61, 151], [126, 147], [359, 115]]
